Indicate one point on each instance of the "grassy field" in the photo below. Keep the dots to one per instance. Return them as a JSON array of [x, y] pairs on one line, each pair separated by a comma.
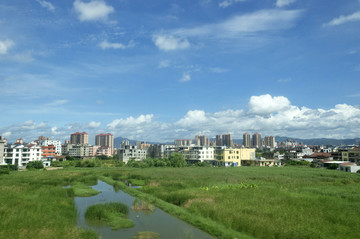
[[288, 202], [33, 204]]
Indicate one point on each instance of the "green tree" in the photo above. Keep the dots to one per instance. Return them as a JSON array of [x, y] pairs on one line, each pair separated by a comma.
[[35, 164], [177, 160]]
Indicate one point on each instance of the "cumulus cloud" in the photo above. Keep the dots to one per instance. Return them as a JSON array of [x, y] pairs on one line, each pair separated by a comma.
[[46, 5], [266, 104], [131, 121], [5, 45], [344, 19], [283, 3], [186, 77], [94, 124], [227, 3], [169, 42], [268, 115], [92, 11], [108, 45]]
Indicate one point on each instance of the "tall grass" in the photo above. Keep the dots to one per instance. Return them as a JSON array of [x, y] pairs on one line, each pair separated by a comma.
[[33, 204], [289, 202], [113, 214]]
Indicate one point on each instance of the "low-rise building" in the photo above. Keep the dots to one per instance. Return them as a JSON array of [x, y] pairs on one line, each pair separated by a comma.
[[131, 152], [80, 150], [48, 152], [233, 156], [56, 143], [21, 154], [349, 167]]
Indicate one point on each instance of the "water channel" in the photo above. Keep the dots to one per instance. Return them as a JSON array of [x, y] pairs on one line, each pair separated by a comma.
[[157, 221]]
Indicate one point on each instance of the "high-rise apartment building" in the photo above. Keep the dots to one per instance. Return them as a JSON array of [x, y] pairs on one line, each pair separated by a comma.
[[105, 140], [204, 141], [79, 138], [219, 140], [256, 141], [269, 141], [227, 140], [246, 140]]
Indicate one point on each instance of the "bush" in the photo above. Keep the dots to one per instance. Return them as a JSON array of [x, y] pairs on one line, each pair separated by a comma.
[[4, 171], [11, 167], [35, 165]]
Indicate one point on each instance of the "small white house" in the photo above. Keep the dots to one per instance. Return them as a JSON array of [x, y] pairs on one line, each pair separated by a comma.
[[349, 167]]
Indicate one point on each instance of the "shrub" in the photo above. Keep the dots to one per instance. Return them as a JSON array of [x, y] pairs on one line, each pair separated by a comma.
[[35, 165]]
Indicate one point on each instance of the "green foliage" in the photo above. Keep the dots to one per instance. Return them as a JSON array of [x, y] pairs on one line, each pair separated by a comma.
[[298, 163], [333, 166], [176, 160], [30, 197], [35, 165], [70, 158], [4, 171], [11, 167], [88, 163], [113, 214], [82, 190]]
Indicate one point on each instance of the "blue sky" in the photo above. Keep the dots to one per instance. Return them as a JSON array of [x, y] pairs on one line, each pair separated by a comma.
[[159, 70]]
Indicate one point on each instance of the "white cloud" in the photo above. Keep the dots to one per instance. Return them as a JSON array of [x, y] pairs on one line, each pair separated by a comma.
[[6, 134], [186, 77], [282, 118], [92, 11], [169, 42], [344, 19], [46, 5], [283, 3], [94, 124], [57, 103], [108, 45], [131, 121], [284, 80], [266, 104], [5, 46], [245, 25], [227, 3], [164, 64]]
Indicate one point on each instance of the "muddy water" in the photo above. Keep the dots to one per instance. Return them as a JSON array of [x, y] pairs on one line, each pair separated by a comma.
[[157, 221]]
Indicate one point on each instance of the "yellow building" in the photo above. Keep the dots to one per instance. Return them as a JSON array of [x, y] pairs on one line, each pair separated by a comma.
[[233, 157]]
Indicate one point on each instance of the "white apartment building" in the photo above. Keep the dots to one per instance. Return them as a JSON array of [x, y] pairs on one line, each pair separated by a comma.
[[21, 154], [56, 143], [131, 152], [80, 150], [197, 153]]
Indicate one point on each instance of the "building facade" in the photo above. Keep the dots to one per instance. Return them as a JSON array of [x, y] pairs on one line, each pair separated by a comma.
[[246, 140], [106, 140], [48, 152], [79, 138], [21, 154], [233, 156], [56, 143], [256, 141], [270, 142]]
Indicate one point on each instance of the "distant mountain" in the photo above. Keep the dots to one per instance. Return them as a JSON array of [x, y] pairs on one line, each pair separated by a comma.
[[321, 141], [118, 140]]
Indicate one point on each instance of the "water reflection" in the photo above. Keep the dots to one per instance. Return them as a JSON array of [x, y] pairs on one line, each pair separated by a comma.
[[145, 216]]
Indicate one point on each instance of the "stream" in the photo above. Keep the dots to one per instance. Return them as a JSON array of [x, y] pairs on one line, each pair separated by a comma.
[[158, 221]]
